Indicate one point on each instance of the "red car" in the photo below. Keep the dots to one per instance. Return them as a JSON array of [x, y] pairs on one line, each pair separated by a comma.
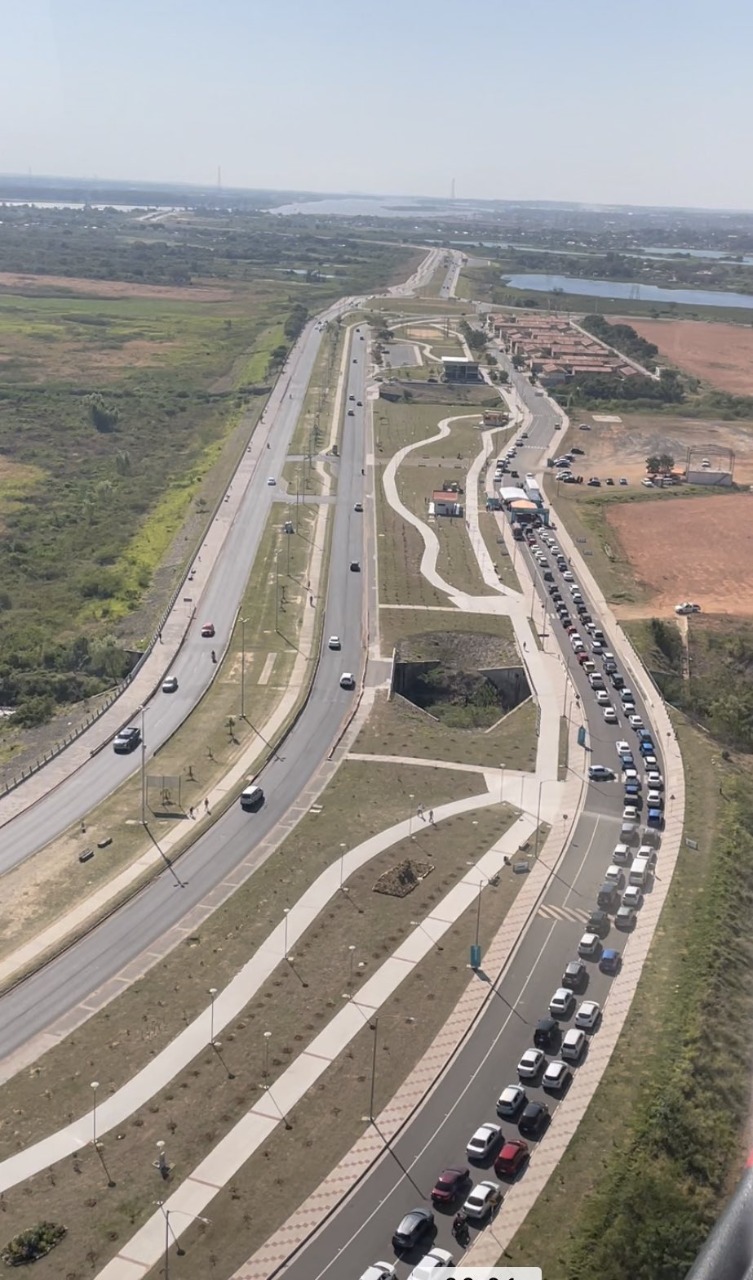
[[450, 1184], [511, 1158], [207, 630]]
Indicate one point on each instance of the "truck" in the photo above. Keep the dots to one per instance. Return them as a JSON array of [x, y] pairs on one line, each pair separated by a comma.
[[517, 531], [534, 492]]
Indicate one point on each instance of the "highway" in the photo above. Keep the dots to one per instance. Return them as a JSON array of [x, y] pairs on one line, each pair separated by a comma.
[[360, 1231], [79, 794], [38, 1002]]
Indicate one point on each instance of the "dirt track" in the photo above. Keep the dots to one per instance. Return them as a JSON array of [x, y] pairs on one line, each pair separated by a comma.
[[721, 354], [698, 549]]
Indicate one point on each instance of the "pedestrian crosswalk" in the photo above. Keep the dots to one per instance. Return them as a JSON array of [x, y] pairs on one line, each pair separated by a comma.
[[573, 915]]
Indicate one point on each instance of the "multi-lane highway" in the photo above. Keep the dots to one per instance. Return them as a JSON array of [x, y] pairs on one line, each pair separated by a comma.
[[360, 1232], [218, 603], [36, 1003]]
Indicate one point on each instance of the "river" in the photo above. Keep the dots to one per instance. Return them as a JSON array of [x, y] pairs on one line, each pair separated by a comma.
[[631, 292]]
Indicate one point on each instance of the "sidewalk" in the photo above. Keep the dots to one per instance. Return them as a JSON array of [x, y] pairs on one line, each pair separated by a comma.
[[194, 1195]]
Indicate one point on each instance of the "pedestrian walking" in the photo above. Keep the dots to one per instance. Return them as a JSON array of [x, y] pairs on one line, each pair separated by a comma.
[[431, 816], [191, 813], [206, 806], [159, 634]]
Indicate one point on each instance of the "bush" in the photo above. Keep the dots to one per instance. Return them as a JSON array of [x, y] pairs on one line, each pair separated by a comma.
[[32, 1244]]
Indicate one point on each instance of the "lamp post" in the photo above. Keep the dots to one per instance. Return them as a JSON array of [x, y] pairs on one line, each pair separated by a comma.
[[481, 884], [143, 770], [343, 847], [94, 1086], [538, 818], [212, 994], [502, 782], [243, 668], [166, 1213], [352, 951], [267, 1035], [375, 1028]]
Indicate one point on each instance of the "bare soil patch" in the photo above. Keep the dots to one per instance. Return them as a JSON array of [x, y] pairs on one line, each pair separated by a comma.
[[721, 354], [15, 282], [697, 549], [424, 335], [620, 449]]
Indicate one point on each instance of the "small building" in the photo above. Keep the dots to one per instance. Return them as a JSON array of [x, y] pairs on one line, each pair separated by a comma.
[[443, 503], [494, 418], [707, 476], [459, 369]]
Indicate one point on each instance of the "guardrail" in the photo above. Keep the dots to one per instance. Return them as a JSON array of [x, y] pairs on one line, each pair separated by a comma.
[[728, 1252]]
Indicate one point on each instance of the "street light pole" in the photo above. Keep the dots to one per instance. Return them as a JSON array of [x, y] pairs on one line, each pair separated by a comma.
[[478, 911], [375, 1028], [94, 1086], [143, 769], [352, 951], [267, 1035], [502, 782], [243, 668], [212, 994], [538, 818]]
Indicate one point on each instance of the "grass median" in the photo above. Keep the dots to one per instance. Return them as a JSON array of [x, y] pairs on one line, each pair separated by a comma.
[[662, 1142], [199, 753], [209, 1096], [456, 563]]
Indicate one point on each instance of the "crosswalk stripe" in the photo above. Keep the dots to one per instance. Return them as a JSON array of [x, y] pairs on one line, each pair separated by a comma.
[[571, 914]]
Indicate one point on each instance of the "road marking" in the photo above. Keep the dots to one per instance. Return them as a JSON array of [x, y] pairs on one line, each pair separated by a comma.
[[267, 669], [570, 914]]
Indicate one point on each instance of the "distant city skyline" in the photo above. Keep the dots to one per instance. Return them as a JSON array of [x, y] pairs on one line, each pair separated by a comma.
[[581, 103]]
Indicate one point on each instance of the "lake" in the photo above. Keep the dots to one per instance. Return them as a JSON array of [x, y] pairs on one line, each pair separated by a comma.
[[539, 283]]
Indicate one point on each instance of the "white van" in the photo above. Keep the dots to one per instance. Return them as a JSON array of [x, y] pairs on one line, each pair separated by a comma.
[[573, 1044], [252, 798], [639, 872]]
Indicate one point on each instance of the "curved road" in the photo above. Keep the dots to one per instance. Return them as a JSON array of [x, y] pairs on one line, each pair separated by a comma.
[[360, 1231], [36, 1003]]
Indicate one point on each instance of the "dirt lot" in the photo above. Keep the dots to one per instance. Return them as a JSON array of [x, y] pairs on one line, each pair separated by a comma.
[[722, 354], [697, 549], [423, 335], [621, 448], [16, 283]]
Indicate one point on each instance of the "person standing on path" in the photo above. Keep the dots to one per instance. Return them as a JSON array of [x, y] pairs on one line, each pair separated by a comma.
[[191, 813], [206, 806]]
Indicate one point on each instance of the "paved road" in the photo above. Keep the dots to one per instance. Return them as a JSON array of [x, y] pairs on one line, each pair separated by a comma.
[[35, 1004], [465, 1097], [104, 772]]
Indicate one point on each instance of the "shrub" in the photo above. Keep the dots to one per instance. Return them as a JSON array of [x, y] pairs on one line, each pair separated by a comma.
[[33, 1243]]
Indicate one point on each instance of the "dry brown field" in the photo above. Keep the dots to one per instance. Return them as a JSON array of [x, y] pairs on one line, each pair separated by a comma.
[[620, 448], [721, 354], [14, 282]]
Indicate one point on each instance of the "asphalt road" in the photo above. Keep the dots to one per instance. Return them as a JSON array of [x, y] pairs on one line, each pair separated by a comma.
[[78, 795], [360, 1232], [38, 1002]]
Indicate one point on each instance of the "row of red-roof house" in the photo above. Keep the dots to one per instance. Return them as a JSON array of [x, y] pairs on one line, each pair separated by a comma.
[[554, 350]]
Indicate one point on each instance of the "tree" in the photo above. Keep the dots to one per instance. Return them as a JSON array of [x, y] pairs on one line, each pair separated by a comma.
[[103, 417], [666, 462], [653, 464]]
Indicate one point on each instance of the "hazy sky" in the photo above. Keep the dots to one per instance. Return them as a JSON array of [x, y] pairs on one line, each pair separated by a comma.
[[646, 101]]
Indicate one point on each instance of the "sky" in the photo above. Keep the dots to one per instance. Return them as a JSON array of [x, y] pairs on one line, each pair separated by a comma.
[[646, 102]]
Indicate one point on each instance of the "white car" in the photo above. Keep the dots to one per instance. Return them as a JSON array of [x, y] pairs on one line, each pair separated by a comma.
[[433, 1264], [561, 1003], [630, 775], [654, 779], [511, 1101], [597, 647], [632, 897], [589, 946], [621, 855], [271, 480], [556, 1076], [610, 715], [483, 1199], [614, 875], [654, 799], [588, 1015], [622, 747], [635, 722], [347, 680], [602, 697], [530, 1064], [650, 764], [483, 1142], [630, 813], [568, 576], [379, 1271], [333, 642]]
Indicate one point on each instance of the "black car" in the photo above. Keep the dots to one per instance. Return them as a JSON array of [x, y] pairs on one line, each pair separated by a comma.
[[355, 566], [534, 1120], [412, 1228], [575, 976], [546, 1034], [127, 740], [608, 897], [598, 923]]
